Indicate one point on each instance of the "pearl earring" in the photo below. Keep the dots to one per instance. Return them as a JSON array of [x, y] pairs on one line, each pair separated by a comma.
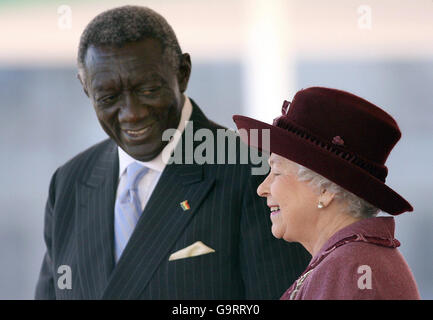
[[320, 205]]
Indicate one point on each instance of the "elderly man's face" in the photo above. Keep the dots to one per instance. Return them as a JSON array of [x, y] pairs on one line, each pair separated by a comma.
[[136, 94]]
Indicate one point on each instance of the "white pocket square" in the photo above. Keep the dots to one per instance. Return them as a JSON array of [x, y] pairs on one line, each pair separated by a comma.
[[196, 249]]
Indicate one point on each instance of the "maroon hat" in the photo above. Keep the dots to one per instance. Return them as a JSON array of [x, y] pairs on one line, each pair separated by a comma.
[[340, 136]]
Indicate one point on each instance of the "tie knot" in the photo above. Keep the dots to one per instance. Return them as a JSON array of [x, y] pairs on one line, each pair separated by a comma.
[[134, 172]]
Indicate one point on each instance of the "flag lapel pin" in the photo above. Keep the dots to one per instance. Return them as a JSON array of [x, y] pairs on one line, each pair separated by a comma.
[[185, 205]]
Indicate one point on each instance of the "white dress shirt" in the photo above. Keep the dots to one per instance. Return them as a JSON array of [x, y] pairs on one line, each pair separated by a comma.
[[156, 166]]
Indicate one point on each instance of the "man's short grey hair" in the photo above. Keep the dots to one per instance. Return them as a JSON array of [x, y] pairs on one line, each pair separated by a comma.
[[356, 206], [118, 26]]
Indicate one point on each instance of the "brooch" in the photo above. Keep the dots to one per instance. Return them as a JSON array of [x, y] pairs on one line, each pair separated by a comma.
[[338, 141]]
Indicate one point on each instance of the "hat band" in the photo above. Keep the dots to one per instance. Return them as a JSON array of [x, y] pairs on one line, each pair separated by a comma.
[[374, 169]]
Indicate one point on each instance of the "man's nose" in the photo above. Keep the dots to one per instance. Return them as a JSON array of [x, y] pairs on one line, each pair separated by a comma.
[[131, 110], [263, 188]]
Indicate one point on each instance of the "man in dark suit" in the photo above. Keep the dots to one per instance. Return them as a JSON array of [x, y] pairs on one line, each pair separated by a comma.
[[200, 230]]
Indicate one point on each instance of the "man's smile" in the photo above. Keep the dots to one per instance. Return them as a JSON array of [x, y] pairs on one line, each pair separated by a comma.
[[138, 135]]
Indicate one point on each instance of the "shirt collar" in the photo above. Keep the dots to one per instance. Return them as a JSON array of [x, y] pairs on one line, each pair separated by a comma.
[[157, 164]]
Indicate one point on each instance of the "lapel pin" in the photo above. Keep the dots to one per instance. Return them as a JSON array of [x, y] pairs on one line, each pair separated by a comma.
[[185, 205]]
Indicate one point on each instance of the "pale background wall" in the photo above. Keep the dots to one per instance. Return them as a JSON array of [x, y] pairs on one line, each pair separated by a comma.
[[248, 56]]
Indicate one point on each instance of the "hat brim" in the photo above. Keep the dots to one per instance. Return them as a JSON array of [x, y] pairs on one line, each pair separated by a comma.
[[327, 164]]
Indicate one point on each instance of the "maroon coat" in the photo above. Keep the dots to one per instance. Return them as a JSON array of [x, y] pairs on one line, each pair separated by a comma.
[[360, 261]]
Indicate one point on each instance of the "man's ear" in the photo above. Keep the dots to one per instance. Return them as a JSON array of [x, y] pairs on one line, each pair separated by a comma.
[[184, 72], [83, 83]]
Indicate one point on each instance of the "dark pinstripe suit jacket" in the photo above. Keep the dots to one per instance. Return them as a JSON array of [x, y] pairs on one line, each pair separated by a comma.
[[226, 214]]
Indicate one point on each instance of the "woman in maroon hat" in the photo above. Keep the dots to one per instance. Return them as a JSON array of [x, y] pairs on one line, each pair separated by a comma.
[[325, 188]]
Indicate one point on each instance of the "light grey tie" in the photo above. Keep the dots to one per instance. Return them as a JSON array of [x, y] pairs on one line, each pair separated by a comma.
[[127, 209]]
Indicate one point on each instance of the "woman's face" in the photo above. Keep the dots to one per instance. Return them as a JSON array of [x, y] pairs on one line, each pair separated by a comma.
[[293, 203]]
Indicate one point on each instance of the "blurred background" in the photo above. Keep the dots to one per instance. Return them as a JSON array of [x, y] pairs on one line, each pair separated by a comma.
[[247, 57]]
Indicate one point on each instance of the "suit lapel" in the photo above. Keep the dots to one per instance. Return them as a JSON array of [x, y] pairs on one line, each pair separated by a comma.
[[94, 221], [160, 225]]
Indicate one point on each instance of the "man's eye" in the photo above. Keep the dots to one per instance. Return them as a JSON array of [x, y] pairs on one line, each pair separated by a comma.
[[107, 99], [148, 91]]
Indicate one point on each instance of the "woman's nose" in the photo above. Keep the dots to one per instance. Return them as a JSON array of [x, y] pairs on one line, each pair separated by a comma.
[[263, 188]]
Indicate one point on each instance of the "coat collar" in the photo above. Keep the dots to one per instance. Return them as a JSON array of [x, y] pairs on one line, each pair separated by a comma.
[[376, 230]]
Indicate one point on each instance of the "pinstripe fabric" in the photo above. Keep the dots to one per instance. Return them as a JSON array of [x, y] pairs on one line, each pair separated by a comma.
[[226, 214]]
